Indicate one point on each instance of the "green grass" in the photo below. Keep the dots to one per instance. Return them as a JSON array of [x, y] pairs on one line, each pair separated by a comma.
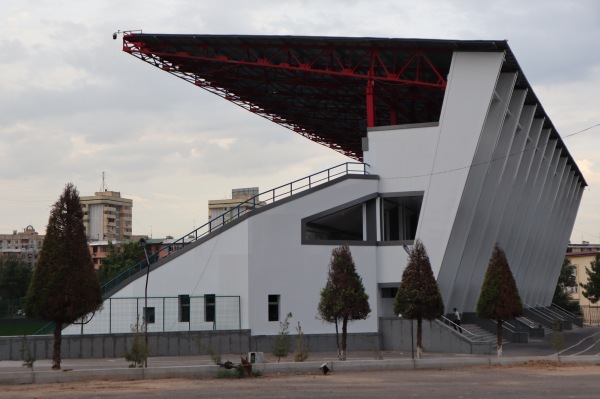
[[16, 327]]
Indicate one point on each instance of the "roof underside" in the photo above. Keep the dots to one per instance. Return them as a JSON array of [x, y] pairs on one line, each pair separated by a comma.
[[328, 89]]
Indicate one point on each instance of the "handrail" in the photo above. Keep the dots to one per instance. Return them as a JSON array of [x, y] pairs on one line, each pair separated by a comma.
[[529, 323], [456, 326], [570, 314], [539, 313], [257, 201], [548, 310], [565, 310], [506, 325]]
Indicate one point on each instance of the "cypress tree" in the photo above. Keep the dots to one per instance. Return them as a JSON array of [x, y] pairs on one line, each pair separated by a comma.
[[418, 296], [343, 298], [64, 287], [499, 297]]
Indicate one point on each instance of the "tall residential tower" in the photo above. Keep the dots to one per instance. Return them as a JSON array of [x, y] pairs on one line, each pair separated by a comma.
[[107, 216]]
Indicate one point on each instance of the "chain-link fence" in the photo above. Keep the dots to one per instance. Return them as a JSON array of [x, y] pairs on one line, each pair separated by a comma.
[[183, 313]]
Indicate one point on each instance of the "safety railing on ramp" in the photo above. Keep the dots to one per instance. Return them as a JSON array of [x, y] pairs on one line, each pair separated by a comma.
[[257, 201]]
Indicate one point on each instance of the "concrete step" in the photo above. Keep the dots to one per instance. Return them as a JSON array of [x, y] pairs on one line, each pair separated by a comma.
[[480, 334]]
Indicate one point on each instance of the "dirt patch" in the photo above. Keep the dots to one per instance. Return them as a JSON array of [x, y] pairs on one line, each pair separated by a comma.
[[546, 365]]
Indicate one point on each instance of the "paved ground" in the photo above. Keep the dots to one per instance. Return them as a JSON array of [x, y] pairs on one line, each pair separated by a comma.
[[530, 371], [542, 380]]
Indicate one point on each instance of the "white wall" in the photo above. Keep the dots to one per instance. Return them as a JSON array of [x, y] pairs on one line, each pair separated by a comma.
[[281, 265]]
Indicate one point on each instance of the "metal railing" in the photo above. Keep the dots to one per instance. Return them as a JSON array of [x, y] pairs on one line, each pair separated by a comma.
[[257, 201], [539, 313], [527, 322], [591, 314], [550, 312], [455, 326], [565, 311]]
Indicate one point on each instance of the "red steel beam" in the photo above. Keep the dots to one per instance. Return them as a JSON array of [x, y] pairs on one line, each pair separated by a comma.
[[329, 60], [368, 65]]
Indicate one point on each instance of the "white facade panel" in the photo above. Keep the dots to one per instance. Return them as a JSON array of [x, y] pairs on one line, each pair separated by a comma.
[[281, 265], [471, 84]]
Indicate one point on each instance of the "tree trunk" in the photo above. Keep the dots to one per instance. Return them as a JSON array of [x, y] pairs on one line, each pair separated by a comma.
[[499, 335], [57, 344], [419, 337], [337, 340], [344, 330]]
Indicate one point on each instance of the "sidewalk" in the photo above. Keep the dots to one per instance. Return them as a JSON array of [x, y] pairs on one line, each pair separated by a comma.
[[74, 370]]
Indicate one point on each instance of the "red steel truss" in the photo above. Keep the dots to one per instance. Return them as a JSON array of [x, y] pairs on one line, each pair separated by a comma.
[[329, 91]]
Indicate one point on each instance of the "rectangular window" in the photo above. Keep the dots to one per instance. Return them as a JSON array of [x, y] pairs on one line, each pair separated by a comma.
[[149, 315], [209, 308], [389, 292], [184, 308], [273, 307], [399, 217]]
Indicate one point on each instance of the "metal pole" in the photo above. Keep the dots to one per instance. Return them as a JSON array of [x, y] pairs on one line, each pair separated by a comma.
[[143, 243]]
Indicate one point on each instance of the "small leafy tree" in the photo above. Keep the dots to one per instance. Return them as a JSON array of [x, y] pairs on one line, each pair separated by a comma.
[[558, 339], [64, 287], [562, 292], [138, 353], [28, 355], [343, 298], [591, 289], [418, 296], [301, 353], [281, 345], [499, 297]]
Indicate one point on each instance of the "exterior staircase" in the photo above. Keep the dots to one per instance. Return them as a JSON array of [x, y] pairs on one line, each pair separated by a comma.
[[533, 324], [476, 333]]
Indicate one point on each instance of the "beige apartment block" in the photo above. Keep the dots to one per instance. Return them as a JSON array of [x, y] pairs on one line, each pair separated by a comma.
[[581, 256], [107, 216], [24, 245], [239, 196]]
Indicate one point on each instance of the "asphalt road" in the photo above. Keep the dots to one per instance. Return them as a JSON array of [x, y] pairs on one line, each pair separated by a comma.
[[538, 380]]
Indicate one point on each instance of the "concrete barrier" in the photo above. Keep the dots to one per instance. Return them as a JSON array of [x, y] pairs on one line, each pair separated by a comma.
[[178, 343]]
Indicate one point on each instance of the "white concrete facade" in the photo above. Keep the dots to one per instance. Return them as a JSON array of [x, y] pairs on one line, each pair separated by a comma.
[[488, 171]]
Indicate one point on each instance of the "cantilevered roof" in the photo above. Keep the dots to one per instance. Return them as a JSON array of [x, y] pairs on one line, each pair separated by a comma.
[[328, 89]]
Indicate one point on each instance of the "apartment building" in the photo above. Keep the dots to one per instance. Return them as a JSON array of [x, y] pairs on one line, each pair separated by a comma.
[[24, 245], [107, 216]]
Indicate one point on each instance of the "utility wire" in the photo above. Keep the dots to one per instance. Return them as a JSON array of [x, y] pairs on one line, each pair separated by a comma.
[[487, 162], [581, 131]]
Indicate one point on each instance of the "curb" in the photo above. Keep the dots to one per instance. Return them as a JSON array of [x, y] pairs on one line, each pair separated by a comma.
[[211, 371]]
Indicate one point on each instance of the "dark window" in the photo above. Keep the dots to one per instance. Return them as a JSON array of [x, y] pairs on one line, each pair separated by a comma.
[[273, 307], [149, 314], [184, 308], [346, 225], [209, 307], [399, 218], [389, 292]]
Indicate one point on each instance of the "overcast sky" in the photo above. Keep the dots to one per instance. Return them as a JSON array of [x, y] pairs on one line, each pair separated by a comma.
[[73, 105]]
